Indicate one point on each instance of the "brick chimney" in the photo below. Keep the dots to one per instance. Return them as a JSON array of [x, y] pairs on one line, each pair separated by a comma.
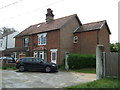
[[49, 15]]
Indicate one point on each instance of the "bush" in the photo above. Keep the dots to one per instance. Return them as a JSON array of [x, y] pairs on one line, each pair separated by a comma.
[[77, 61], [62, 66]]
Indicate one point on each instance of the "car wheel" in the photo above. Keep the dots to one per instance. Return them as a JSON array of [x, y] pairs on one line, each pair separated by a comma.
[[21, 68], [47, 69]]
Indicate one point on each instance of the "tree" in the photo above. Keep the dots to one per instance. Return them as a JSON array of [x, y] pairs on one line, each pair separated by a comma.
[[5, 30], [115, 47]]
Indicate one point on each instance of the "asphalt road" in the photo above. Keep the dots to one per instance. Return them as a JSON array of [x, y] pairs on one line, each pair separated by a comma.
[[14, 79]]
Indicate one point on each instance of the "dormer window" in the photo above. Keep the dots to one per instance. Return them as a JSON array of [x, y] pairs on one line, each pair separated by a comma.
[[75, 39], [25, 41], [42, 39]]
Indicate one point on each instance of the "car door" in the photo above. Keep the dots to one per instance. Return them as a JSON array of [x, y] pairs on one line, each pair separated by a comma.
[[28, 63], [38, 65]]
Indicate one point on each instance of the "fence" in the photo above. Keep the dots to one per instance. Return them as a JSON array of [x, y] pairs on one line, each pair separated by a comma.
[[110, 64], [107, 64]]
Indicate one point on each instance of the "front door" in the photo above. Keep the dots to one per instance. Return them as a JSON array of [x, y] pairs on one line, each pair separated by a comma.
[[54, 55], [37, 64]]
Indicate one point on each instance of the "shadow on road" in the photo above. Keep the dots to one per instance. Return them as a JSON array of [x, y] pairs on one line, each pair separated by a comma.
[[34, 71]]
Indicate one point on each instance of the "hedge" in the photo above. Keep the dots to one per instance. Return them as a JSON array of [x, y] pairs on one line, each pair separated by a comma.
[[77, 61]]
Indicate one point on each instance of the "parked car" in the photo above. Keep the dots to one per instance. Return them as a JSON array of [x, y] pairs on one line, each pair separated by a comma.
[[11, 60], [7, 59], [31, 63]]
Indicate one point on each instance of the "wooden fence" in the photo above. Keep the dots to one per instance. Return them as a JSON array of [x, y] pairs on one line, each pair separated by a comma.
[[111, 64]]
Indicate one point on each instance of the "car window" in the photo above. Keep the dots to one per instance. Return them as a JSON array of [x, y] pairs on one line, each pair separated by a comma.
[[20, 59], [36, 60], [28, 59]]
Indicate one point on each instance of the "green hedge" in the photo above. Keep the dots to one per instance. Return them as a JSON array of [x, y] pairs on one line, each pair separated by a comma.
[[77, 61]]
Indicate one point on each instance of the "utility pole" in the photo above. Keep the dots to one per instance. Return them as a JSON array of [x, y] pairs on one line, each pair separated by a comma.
[[6, 41]]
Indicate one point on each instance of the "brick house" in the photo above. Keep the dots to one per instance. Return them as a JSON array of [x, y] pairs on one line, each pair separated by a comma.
[[91, 34], [50, 40]]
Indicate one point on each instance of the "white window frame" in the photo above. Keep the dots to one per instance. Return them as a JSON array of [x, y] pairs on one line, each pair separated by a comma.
[[39, 53], [24, 41], [75, 39], [40, 40], [35, 54], [54, 51]]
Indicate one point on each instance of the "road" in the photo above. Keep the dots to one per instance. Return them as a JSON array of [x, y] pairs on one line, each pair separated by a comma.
[[15, 79]]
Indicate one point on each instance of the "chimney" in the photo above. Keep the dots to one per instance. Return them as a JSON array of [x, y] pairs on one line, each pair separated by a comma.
[[49, 15]]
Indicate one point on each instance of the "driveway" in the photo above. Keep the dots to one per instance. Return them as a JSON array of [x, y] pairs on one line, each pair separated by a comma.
[[14, 79]]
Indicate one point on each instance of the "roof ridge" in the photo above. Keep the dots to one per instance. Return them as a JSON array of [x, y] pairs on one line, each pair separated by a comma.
[[95, 22], [55, 19], [47, 26]]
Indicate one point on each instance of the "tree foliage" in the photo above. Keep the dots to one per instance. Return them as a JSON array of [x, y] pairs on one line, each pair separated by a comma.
[[5, 30], [115, 47]]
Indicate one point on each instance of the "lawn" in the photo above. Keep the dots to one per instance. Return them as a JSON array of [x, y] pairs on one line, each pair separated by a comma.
[[101, 83], [85, 70], [82, 70]]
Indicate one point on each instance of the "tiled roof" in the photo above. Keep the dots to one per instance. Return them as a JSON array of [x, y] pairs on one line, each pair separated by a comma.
[[44, 27], [92, 26]]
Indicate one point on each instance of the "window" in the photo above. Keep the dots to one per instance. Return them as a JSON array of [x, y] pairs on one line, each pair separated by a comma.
[[25, 41], [53, 56], [28, 59], [42, 39], [75, 39], [40, 54], [35, 54], [36, 59]]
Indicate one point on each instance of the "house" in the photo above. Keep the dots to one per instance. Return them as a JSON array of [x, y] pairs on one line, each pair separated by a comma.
[[89, 35], [52, 39], [7, 41]]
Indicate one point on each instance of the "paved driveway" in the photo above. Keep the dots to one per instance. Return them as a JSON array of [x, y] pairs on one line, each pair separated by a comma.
[[13, 79]]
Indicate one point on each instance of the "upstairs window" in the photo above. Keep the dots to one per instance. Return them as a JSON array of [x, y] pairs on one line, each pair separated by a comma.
[[42, 39], [25, 41], [75, 39]]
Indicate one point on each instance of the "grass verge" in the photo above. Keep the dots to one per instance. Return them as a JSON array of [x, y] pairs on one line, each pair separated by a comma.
[[8, 68], [101, 83], [85, 70]]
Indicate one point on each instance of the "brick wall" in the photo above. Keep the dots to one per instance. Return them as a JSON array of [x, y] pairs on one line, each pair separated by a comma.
[[87, 42], [52, 39], [18, 42], [104, 38], [66, 37]]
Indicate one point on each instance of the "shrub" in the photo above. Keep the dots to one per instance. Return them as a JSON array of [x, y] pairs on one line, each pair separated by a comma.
[[62, 66], [8, 68], [77, 61]]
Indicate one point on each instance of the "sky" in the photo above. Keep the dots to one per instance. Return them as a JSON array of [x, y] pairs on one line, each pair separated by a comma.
[[20, 14]]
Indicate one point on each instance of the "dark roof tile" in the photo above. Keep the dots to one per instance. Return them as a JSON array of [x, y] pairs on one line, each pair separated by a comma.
[[91, 26], [44, 27]]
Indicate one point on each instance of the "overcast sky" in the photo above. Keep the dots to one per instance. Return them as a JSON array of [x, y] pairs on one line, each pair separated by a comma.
[[20, 14]]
